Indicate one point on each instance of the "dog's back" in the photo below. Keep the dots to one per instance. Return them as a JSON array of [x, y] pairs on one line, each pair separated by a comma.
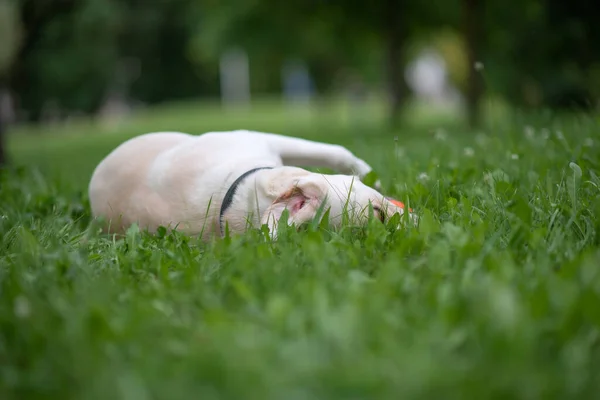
[[119, 182], [165, 176]]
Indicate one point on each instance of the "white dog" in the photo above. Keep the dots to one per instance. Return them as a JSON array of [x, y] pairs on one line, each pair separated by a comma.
[[240, 179]]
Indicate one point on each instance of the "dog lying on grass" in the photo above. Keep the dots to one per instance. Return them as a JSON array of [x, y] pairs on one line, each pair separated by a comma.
[[239, 179]]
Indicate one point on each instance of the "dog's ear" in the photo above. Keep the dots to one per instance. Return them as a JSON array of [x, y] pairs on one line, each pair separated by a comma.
[[301, 207]]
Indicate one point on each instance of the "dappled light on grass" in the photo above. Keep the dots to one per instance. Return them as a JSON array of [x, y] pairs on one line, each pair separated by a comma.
[[496, 290]]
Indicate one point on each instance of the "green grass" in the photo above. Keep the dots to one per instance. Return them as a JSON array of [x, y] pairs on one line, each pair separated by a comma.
[[495, 295]]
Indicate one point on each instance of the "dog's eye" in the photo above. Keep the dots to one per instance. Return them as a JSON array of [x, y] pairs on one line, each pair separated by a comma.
[[380, 213]]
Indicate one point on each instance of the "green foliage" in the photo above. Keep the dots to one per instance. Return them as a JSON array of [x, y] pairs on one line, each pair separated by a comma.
[[75, 47], [75, 52], [495, 294], [10, 34], [546, 57], [72, 51]]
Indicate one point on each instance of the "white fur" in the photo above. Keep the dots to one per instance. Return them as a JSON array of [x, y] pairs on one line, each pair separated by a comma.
[[178, 180]]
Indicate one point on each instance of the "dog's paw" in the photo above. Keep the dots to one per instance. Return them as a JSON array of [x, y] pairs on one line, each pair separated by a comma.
[[361, 168]]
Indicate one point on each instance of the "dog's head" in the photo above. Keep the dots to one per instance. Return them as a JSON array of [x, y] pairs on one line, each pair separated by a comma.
[[344, 196]]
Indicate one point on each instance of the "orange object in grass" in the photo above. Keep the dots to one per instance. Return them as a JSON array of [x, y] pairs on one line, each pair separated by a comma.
[[398, 203]]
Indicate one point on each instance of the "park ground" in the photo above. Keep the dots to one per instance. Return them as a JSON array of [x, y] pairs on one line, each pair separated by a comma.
[[496, 294]]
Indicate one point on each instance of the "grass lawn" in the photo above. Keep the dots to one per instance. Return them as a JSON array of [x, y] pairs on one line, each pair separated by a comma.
[[495, 295]]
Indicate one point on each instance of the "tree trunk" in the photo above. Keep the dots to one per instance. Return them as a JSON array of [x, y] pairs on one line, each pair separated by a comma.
[[35, 16], [394, 36], [472, 14], [3, 127], [3, 160]]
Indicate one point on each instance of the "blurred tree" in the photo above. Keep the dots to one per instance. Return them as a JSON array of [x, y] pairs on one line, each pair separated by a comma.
[[34, 17], [270, 31], [73, 53], [157, 34], [330, 35], [549, 55], [573, 56], [473, 34], [393, 23], [10, 32], [394, 35]]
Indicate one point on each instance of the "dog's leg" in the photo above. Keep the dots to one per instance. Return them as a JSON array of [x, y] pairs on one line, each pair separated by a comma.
[[307, 153]]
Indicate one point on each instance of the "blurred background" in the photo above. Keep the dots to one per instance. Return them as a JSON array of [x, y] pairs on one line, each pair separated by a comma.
[[102, 62]]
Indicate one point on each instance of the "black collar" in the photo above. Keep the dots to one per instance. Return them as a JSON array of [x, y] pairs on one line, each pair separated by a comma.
[[228, 199]]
